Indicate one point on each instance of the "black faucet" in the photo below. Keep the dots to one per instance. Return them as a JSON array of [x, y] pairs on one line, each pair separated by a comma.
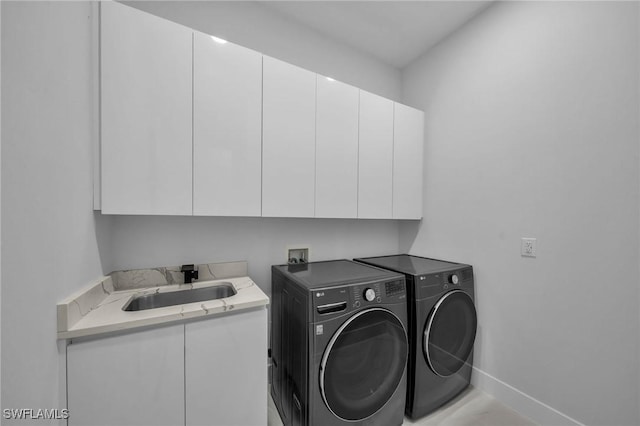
[[190, 273]]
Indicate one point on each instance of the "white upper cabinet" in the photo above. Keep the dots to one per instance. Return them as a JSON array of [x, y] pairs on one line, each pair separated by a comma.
[[375, 188], [227, 128], [408, 142], [146, 147], [288, 140], [191, 126], [336, 149]]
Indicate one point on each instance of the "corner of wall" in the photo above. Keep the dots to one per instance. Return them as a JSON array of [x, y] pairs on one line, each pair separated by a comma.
[[638, 132], [104, 225], [526, 405], [1, 405]]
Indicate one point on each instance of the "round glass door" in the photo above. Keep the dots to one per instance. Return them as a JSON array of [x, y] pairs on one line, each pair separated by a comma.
[[449, 333], [363, 364]]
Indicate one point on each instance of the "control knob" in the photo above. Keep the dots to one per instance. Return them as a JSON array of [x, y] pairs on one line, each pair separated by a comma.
[[453, 279], [369, 294]]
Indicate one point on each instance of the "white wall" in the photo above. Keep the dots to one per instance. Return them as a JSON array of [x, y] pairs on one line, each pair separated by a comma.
[[146, 241], [532, 131], [49, 244], [259, 27]]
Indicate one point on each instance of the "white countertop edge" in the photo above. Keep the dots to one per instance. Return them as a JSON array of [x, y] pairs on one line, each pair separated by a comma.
[[76, 294], [74, 307], [161, 320], [109, 317]]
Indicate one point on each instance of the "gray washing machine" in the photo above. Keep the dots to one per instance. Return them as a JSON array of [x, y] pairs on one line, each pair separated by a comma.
[[339, 344], [442, 328]]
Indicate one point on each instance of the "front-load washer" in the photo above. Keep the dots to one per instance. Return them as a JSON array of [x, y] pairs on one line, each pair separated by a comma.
[[339, 344], [442, 328]]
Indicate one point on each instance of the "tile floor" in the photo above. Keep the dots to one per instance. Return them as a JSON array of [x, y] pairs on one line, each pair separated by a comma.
[[471, 408]]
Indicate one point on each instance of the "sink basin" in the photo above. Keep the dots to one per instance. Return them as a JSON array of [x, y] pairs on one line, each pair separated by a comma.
[[180, 297]]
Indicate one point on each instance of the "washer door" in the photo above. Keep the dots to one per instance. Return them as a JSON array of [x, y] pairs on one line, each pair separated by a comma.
[[363, 364], [450, 332]]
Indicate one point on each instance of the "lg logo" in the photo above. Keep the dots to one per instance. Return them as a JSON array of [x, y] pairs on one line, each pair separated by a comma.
[[320, 294]]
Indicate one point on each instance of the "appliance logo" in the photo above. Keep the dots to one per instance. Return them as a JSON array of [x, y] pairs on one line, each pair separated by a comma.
[[423, 278], [320, 294]]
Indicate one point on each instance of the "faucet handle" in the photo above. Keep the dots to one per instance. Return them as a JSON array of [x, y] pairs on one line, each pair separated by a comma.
[[190, 273]]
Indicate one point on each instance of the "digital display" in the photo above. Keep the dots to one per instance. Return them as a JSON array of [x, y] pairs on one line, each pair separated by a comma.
[[394, 287]]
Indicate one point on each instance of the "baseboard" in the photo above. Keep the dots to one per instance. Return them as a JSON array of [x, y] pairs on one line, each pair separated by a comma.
[[539, 412]]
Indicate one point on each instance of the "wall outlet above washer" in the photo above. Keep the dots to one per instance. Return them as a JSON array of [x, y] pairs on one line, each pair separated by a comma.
[[528, 247]]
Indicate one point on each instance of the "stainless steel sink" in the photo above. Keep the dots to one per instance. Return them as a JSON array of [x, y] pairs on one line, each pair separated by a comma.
[[180, 297]]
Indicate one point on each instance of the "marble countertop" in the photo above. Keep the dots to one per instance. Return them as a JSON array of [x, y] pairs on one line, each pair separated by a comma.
[[97, 308]]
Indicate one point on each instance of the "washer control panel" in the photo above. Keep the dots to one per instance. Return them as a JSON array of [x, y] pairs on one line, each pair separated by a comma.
[[379, 292], [366, 294], [339, 300]]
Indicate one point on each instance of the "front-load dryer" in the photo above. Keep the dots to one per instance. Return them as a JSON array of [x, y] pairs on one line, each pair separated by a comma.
[[442, 328], [339, 344]]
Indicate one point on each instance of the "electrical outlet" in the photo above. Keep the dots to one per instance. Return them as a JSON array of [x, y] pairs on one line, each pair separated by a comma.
[[528, 247]]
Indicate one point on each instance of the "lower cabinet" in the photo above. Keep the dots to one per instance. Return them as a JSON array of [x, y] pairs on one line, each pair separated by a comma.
[[226, 370], [207, 372], [128, 379]]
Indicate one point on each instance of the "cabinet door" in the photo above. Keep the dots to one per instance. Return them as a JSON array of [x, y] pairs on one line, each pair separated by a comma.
[[336, 149], [146, 145], [375, 174], [227, 128], [288, 140], [131, 379], [408, 142], [226, 373]]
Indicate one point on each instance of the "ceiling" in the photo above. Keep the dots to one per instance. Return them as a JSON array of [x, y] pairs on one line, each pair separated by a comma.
[[395, 32]]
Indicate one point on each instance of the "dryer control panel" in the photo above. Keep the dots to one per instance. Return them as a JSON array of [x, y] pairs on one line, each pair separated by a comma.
[[433, 284], [338, 300]]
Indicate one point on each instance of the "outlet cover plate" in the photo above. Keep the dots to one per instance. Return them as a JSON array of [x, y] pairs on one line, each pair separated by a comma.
[[528, 247], [300, 253]]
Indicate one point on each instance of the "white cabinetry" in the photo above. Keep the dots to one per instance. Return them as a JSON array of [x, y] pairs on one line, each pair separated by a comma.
[[375, 182], [145, 113], [130, 379], [193, 127], [336, 184], [208, 372], [408, 142], [227, 128], [226, 370], [288, 140]]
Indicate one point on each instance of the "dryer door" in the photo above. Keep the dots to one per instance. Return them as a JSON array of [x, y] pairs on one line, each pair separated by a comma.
[[363, 364], [449, 333]]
